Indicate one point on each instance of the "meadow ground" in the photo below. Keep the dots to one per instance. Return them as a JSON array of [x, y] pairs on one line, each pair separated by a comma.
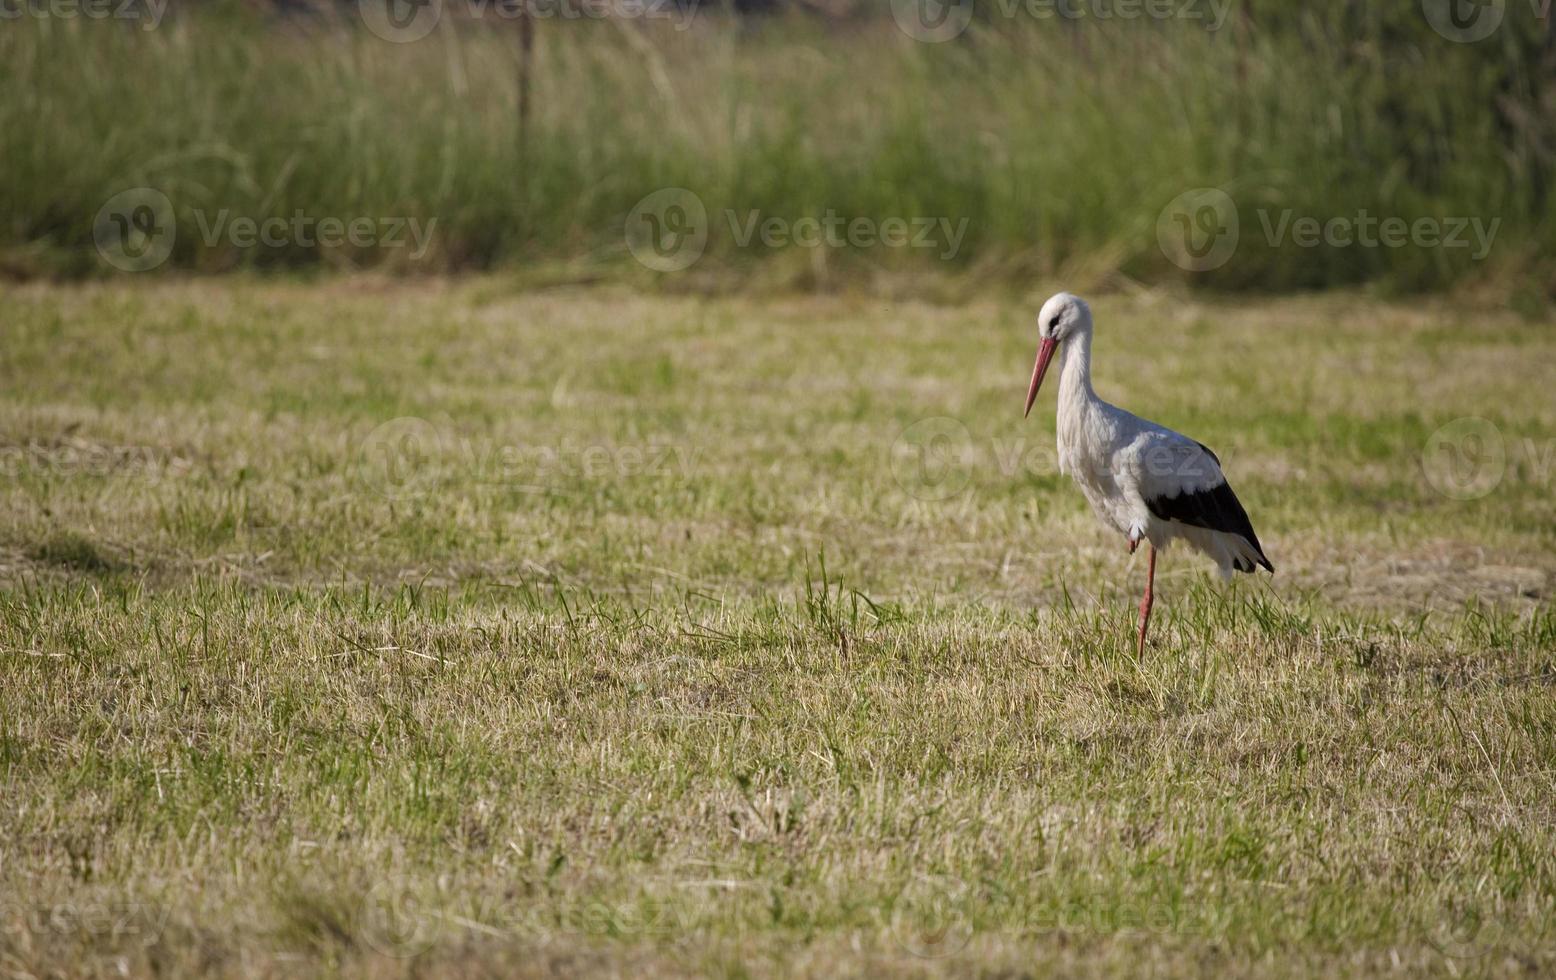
[[451, 630]]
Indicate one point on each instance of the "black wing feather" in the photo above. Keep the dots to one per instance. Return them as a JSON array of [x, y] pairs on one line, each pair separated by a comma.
[[1216, 508]]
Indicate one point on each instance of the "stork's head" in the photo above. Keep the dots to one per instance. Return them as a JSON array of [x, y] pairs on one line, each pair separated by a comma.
[[1064, 316]]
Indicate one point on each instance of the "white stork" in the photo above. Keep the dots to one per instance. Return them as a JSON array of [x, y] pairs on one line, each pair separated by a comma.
[[1142, 479]]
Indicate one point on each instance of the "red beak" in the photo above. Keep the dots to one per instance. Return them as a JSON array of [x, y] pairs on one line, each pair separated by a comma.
[[1045, 353]]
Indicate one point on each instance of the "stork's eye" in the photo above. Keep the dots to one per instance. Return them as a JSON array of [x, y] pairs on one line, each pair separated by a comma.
[[1053, 323]]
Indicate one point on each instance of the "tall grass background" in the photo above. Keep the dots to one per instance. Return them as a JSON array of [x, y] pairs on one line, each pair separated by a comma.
[[1060, 142]]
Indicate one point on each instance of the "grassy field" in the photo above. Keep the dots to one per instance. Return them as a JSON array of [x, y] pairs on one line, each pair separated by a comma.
[[452, 630]]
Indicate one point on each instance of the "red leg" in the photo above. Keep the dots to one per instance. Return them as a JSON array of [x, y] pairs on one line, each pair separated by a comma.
[[1145, 601]]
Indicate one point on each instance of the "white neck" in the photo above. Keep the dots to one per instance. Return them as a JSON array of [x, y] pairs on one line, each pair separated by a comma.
[[1075, 391]]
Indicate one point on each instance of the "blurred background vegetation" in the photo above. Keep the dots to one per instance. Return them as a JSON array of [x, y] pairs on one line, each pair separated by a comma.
[[1059, 139]]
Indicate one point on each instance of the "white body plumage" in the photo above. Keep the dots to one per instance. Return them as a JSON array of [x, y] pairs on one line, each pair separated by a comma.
[[1142, 479]]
